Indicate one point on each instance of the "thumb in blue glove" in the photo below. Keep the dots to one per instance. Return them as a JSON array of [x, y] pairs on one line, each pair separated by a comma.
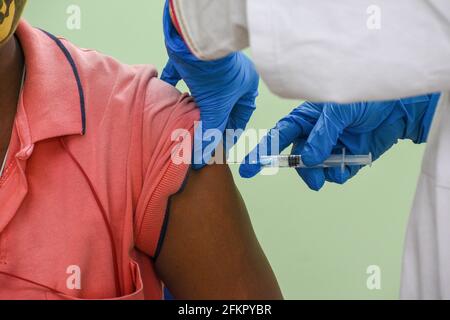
[[288, 130]]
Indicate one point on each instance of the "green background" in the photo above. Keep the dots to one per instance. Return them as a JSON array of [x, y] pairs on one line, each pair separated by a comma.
[[319, 244]]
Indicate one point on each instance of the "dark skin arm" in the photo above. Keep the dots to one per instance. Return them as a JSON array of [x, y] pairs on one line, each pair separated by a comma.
[[210, 250]]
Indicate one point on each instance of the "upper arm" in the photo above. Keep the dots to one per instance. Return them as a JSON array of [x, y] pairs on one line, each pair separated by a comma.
[[167, 122], [201, 238], [210, 250]]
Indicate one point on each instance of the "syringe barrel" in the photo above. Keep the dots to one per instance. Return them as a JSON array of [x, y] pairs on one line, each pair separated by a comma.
[[295, 161]]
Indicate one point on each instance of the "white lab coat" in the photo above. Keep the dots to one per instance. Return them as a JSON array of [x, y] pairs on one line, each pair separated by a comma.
[[426, 260], [328, 51]]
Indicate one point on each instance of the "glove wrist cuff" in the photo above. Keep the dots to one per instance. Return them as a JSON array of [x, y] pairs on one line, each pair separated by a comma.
[[428, 120], [419, 112]]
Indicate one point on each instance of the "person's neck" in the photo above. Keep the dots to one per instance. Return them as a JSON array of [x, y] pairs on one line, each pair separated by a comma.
[[11, 67], [11, 71]]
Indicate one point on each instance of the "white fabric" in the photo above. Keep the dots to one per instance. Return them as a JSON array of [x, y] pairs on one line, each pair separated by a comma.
[[4, 164], [322, 50], [426, 261], [213, 28]]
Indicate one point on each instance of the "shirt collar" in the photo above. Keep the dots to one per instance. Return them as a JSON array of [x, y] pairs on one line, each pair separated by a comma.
[[52, 99]]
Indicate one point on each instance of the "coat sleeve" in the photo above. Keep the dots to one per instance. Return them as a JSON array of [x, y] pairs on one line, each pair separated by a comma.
[[212, 29], [341, 51]]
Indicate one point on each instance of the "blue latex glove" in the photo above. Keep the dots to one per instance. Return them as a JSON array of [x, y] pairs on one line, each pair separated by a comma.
[[225, 90], [318, 130]]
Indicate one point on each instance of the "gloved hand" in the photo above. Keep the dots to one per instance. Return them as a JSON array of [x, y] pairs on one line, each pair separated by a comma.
[[225, 90], [318, 130]]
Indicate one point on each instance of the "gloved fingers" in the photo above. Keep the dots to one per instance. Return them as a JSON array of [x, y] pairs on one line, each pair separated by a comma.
[[244, 108], [216, 117], [313, 177], [170, 74], [341, 175], [239, 118], [268, 145], [324, 137], [207, 137], [286, 132], [243, 111], [216, 120]]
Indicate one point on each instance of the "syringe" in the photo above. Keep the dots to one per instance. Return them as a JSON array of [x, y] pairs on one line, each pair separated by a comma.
[[334, 161]]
